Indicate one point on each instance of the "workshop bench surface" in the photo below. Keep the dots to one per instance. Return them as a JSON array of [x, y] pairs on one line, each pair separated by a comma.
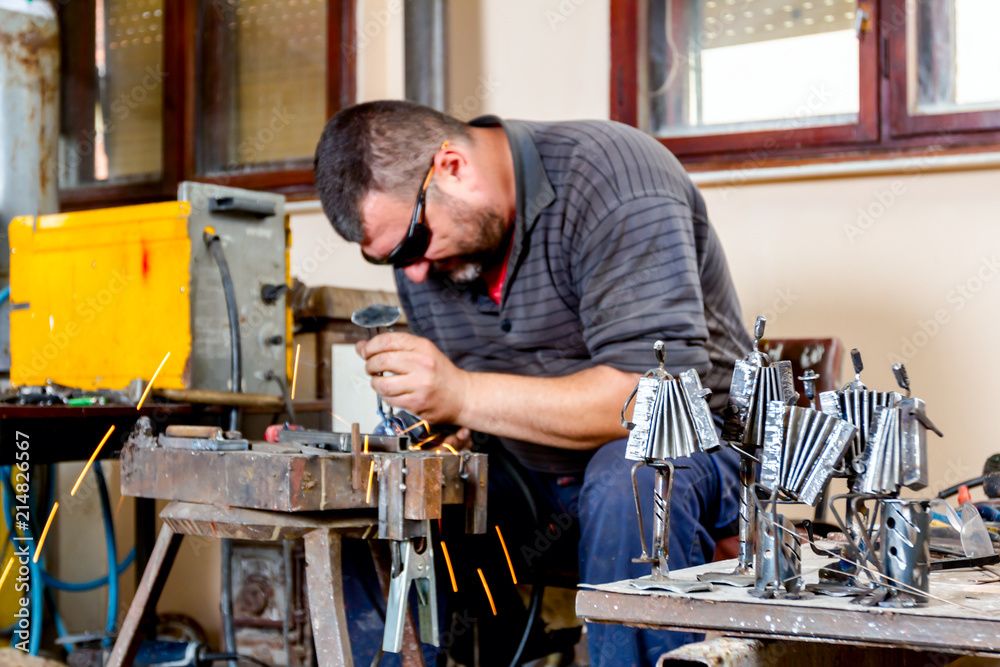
[[973, 628]]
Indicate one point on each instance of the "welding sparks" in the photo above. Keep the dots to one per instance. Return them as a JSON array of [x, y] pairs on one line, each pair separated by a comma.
[[151, 381], [92, 457], [6, 570], [422, 421], [507, 554], [447, 561], [371, 474], [295, 368], [366, 443], [423, 442], [336, 416], [449, 448], [45, 531], [118, 507], [486, 588]]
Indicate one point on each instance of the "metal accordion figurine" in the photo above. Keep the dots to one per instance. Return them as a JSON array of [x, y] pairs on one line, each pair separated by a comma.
[[671, 420]]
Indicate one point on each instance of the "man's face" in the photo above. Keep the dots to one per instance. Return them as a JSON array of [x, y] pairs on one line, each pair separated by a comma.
[[465, 235]]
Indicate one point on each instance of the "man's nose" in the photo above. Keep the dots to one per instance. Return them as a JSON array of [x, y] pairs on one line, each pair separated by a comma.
[[417, 272]]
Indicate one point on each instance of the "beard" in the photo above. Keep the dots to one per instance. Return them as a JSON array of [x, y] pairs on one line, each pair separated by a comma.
[[485, 232]]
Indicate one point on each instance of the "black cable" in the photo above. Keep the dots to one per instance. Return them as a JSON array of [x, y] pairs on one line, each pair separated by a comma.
[[289, 408], [214, 244], [209, 658]]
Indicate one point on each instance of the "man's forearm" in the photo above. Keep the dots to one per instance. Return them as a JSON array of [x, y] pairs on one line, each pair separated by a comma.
[[578, 411]]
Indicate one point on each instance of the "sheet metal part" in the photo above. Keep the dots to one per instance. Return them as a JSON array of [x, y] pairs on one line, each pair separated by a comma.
[[906, 551], [341, 442], [802, 448], [671, 417], [778, 566]]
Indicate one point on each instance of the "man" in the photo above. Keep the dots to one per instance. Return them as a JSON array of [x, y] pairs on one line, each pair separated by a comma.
[[538, 267]]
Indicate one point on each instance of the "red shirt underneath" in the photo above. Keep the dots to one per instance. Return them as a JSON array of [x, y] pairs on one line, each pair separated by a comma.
[[495, 277]]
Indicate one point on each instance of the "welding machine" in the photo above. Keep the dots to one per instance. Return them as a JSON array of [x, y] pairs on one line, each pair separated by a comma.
[[98, 298]]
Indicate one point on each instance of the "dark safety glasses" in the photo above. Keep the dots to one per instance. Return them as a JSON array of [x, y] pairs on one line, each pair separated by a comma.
[[413, 246]]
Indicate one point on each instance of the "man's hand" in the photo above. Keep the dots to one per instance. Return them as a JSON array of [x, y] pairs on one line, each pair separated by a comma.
[[423, 380]]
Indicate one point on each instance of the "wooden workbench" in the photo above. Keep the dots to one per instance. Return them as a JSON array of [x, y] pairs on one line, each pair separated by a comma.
[[973, 629]]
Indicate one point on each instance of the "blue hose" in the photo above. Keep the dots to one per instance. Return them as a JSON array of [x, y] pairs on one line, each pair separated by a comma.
[[37, 586], [109, 537], [43, 578], [4, 294], [83, 586]]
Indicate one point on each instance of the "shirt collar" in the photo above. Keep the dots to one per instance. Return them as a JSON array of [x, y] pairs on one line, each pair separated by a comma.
[[534, 190]]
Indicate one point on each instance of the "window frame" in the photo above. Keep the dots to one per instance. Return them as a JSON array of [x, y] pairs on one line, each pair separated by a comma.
[[884, 128], [180, 108], [904, 124]]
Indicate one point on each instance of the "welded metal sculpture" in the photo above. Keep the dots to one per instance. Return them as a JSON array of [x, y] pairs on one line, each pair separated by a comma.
[[671, 420], [756, 382]]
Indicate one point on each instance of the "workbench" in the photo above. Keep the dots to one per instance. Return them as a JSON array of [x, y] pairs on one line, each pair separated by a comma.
[[973, 629]]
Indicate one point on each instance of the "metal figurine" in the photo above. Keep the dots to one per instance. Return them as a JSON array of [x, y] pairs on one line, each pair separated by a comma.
[[756, 382], [895, 454], [671, 420]]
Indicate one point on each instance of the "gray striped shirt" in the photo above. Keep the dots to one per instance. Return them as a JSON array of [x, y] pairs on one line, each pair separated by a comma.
[[612, 250]]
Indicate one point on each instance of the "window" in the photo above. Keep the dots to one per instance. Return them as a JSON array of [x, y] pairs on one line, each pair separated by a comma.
[[228, 91], [787, 79]]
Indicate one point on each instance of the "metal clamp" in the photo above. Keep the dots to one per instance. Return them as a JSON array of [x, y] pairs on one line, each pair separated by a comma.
[[416, 568]]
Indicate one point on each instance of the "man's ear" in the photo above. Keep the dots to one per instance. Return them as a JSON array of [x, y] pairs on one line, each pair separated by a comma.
[[452, 163]]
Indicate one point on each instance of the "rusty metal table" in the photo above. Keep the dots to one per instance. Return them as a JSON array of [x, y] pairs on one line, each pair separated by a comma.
[[973, 628]]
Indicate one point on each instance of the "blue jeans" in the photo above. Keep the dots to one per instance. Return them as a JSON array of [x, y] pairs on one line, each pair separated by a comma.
[[705, 498], [551, 523]]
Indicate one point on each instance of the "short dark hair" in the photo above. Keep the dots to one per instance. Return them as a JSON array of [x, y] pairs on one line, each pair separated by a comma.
[[386, 146]]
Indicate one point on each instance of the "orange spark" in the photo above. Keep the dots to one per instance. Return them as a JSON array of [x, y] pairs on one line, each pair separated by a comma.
[[121, 499], [447, 561], [45, 531], [91, 461], [450, 448], [371, 473], [6, 570], [487, 589], [295, 369], [153, 379], [336, 416], [422, 421], [423, 442], [366, 443], [507, 554]]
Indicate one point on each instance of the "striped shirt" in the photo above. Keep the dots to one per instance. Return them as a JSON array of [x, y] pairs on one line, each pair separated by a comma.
[[612, 250]]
